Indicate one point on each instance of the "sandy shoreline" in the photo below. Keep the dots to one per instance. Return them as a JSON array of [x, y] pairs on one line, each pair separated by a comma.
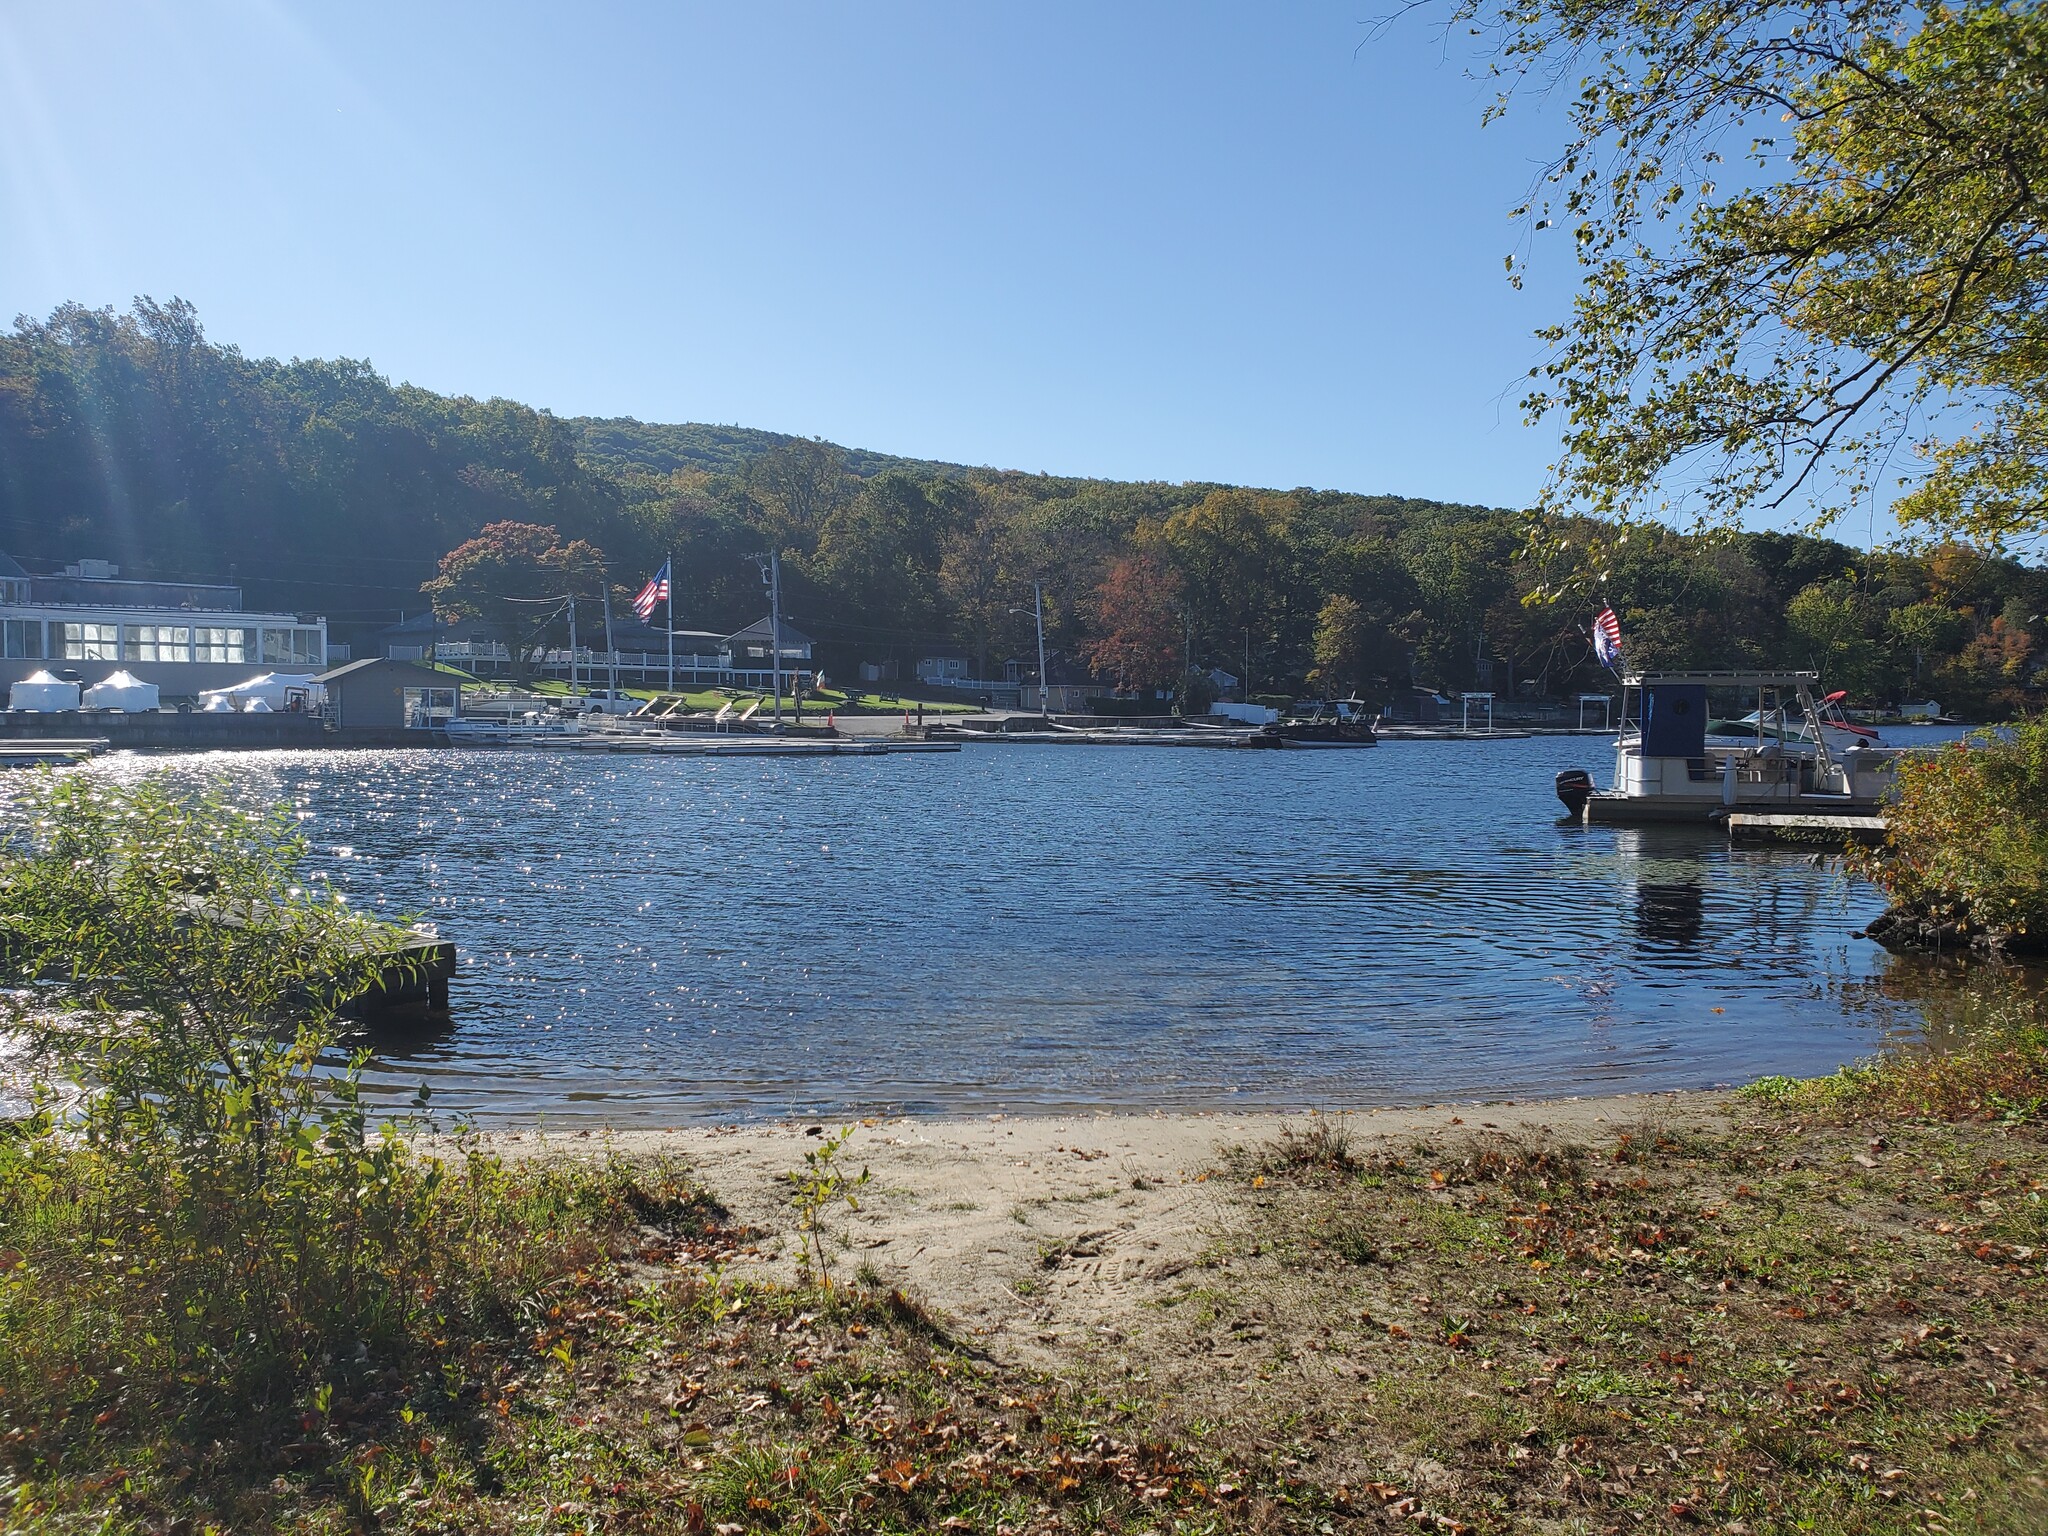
[[1035, 1235]]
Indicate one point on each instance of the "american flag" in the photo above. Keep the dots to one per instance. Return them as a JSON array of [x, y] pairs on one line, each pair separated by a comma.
[[1607, 637], [656, 591]]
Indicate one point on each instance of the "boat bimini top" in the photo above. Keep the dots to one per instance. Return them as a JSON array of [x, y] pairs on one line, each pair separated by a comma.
[[1666, 713]]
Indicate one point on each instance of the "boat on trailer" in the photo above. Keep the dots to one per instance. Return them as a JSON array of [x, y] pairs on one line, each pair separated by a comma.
[[1675, 761]]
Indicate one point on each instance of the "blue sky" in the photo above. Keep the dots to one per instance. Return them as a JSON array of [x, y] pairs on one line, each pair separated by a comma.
[[1245, 242]]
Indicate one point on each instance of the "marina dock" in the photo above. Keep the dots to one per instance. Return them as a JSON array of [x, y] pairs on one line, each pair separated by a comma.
[[1791, 827], [51, 751], [734, 745]]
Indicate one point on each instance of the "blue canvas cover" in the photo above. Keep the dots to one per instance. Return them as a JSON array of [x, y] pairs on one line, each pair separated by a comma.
[[1675, 720]]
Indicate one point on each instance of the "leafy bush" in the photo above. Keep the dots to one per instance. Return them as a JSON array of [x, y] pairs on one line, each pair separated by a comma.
[[198, 1226], [1966, 851]]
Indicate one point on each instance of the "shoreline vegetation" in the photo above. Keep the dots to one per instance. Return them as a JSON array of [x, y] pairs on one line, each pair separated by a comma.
[[230, 1302], [1965, 854]]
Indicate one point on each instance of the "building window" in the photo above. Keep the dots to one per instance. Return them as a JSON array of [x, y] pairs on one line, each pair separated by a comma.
[[92, 642], [13, 590], [157, 642], [22, 638], [293, 648], [220, 645], [426, 708]]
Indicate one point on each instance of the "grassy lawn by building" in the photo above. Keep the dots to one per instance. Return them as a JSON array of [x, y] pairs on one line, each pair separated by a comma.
[[818, 704]]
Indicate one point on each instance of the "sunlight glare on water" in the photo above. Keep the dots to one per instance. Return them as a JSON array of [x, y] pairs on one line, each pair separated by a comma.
[[1028, 929]]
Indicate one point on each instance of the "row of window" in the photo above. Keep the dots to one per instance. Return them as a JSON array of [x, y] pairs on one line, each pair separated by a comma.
[[66, 641]]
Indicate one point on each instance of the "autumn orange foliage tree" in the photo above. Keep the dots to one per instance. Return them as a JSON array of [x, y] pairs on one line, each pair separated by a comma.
[[1137, 635]]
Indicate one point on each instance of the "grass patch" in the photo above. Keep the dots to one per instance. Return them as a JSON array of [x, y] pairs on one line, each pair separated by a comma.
[[1824, 1318], [2001, 1075]]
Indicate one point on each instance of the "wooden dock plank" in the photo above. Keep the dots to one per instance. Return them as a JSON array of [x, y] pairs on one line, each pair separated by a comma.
[[1766, 826]]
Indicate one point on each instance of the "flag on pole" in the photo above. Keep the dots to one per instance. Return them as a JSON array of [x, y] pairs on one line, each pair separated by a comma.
[[1607, 637], [656, 591]]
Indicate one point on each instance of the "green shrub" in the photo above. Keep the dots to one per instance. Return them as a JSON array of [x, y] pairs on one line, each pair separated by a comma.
[[199, 1227], [1966, 847]]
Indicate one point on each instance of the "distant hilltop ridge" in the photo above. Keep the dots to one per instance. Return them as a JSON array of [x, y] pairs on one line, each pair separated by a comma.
[[318, 487], [624, 443]]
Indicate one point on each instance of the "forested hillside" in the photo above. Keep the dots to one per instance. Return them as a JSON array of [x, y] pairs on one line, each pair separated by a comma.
[[321, 486]]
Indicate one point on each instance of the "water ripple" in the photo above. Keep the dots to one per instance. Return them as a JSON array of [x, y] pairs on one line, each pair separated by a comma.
[[1029, 930]]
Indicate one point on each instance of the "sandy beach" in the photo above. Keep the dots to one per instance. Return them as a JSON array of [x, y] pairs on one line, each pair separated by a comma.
[[1039, 1236]]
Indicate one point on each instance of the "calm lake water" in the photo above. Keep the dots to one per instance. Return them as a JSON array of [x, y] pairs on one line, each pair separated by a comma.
[[1030, 929]]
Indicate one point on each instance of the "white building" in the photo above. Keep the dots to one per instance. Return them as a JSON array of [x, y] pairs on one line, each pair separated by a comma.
[[185, 637]]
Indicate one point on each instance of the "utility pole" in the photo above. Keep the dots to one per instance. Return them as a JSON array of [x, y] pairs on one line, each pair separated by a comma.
[[1187, 653], [1038, 612], [572, 645], [611, 650]]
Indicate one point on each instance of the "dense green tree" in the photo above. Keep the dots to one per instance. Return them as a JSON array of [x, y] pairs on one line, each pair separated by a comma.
[[1236, 553], [1827, 628], [875, 572], [1921, 630], [1343, 647]]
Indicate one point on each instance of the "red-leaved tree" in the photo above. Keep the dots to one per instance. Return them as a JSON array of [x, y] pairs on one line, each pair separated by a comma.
[[1134, 617], [509, 576]]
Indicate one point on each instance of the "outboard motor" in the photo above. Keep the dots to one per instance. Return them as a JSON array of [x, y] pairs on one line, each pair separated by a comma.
[[1575, 788]]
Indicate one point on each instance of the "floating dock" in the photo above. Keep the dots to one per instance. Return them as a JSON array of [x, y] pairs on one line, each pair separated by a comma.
[[1108, 736], [1789, 827], [1464, 733], [418, 973], [417, 969], [50, 750]]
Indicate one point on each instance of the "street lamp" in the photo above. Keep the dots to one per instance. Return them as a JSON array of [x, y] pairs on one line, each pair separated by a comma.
[[771, 578], [1037, 611]]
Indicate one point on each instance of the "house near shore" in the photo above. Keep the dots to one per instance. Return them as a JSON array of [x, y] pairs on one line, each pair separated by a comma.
[[749, 655], [86, 621]]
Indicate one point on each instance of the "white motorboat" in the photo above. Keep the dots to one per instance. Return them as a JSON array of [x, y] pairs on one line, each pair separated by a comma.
[[1836, 728]]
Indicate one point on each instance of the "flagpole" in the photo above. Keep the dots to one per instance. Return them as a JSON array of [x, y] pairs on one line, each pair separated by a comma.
[[668, 566]]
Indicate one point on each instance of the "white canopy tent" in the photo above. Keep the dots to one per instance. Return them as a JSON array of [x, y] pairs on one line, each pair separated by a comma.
[[124, 691], [275, 689], [41, 691]]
